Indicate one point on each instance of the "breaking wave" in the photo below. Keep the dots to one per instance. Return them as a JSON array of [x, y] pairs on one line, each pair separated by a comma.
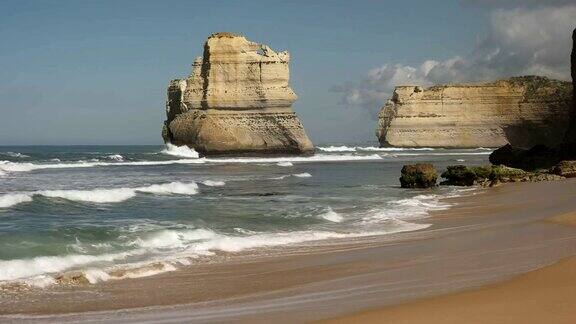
[[15, 155], [115, 157], [167, 249], [337, 148], [175, 247], [332, 216], [7, 166], [410, 208], [10, 200], [297, 175], [114, 195], [180, 151]]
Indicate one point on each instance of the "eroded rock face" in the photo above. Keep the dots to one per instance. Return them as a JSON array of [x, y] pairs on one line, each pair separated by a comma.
[[523, 111], [568, 148], [236, 100]]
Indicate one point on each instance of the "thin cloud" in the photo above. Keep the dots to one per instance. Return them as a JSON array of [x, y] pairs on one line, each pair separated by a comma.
[[521, 41]]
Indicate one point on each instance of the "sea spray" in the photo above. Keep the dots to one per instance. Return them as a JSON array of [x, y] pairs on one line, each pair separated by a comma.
[[180, 151], [331, 216]]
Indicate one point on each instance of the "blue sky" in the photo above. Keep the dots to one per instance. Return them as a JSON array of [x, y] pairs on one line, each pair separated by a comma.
[[95, 72]]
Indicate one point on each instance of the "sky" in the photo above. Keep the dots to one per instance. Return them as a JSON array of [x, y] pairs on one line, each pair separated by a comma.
[[96, 72]]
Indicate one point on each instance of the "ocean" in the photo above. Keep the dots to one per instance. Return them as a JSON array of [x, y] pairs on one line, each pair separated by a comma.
[[114, 212]]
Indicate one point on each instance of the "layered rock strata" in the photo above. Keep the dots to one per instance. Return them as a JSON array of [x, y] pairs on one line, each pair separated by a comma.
[[523, 111], [236, 100]]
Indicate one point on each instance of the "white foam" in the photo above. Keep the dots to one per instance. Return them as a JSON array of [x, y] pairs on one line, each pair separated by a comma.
[[95, 196], [144, 271], [393, 149], [443, 153], [10, 200], [285, 164], [180, 151], [15, 155], [41, 281], [16, 166], [173, 238], [410, 208], [115, 157], [314, 158], [171, 188], [27, 268], [332, 216], [337, 149], [114, 195], [297, 175], [25, 167], [174, 246], [213, 183], [96, 275]]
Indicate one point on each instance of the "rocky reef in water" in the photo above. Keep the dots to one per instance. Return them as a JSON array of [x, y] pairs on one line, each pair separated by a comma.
[[523, 111], [236, 100], [545, 156]]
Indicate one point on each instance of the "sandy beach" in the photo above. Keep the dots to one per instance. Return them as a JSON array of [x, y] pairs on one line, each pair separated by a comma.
[[481, 251], [542, 296]]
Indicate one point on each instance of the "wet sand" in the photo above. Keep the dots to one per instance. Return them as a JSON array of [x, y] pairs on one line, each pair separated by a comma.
[[484, 239], [546, 295]]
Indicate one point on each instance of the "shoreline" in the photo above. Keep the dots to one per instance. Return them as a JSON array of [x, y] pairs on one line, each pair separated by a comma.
[[464, 249], [538, 296]]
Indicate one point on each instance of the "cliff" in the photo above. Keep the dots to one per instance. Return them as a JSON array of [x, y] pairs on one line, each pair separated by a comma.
[[236, 100], [523, 111], [568, 146]]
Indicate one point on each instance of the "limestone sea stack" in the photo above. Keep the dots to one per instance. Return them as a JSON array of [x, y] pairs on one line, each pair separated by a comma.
[[522, 111], [236, 100]]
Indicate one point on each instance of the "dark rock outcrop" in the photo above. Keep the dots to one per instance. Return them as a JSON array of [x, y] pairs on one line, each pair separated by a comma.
[[565, 168], [537, 157], [460, 175], [541, 156], [568, 148], [421, 175]]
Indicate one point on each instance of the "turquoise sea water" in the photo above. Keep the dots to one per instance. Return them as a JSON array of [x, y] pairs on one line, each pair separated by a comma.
[[100, 208]]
